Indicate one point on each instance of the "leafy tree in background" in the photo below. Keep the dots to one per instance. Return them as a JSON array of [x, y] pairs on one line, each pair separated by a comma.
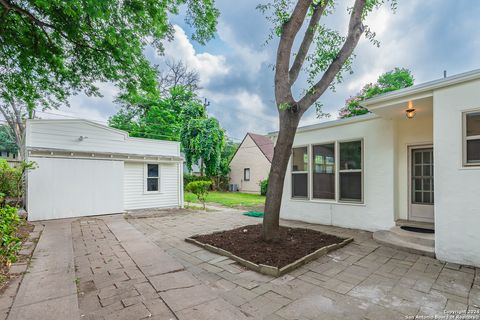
[[7, 140], [50, 50], [395, 79], [323, 54], [203, 139], [154, 117]]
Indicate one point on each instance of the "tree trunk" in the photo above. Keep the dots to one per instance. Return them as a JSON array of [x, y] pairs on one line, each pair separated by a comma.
[[289, 120]]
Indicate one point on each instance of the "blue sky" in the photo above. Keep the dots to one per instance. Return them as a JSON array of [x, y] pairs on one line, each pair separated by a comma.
[[235, 68]]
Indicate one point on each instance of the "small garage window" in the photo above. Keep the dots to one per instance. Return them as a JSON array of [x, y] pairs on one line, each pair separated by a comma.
[[152, 178]]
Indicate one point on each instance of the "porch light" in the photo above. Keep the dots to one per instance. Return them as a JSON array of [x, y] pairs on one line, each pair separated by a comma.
[[410, 112]]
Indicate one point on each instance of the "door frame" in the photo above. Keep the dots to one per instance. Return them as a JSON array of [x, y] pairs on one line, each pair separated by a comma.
[[410, 148]]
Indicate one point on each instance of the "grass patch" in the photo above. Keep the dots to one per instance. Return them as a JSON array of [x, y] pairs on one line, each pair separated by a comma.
[[230, 199]]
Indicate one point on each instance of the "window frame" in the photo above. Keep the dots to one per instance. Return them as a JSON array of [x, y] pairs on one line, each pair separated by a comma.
[[244, 174], [308, 172], [361, 170], [465, 138], [335, 170], [146, 177]]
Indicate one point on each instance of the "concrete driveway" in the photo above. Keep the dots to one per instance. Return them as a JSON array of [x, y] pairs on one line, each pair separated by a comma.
[[140, 268]]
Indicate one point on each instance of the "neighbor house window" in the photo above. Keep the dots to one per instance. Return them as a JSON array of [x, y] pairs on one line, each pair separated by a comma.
[[472, 138], [323, 175], [153, 178], [300, 172], [350, 171], [246, 174]]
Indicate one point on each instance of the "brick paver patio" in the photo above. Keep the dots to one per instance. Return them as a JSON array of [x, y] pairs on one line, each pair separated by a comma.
[[363, 280], [141, 268]]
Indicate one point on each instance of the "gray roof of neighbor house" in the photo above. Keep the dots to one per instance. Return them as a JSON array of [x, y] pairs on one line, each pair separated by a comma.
[[264, 143]]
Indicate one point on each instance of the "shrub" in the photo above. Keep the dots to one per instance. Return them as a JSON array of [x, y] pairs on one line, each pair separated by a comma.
[[187, 178], [200, 189], [11, 179], [263, 187], [9, 242]]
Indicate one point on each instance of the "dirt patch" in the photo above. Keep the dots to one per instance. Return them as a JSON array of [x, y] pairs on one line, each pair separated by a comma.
[[246, 242]]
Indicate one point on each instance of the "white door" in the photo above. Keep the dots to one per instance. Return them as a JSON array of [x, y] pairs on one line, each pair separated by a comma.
[[62, 188], [421, 191]]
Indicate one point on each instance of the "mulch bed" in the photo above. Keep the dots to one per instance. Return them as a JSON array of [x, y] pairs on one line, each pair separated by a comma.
[[246, 242]]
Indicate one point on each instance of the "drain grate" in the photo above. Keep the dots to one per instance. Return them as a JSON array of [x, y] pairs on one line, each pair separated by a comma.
[[415, 229]]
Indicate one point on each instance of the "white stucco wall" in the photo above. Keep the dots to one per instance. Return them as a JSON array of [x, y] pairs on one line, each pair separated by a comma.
[[249, 156], [457, 189], [377, 211], [410, 132]]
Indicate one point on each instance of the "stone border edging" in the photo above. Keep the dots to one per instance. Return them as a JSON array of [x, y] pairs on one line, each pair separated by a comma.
[[269, 270]]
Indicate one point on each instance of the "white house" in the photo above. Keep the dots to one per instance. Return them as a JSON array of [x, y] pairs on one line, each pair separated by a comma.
[[85, 168], [251, 162], [384, 170]]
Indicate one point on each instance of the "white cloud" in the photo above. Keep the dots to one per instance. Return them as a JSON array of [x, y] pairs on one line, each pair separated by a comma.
[[251, 59], [82, 106], [247, 112], [207, 65]]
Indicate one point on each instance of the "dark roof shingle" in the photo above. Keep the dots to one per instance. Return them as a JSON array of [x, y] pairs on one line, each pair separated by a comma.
[[264, 143]]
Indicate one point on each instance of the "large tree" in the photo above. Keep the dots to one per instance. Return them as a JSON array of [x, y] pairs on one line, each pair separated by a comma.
[[331, 54], [395, 79], [50, 50]]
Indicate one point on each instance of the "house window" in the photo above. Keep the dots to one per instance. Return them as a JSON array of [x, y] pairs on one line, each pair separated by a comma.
[[300, 172], [472, 138], [350, 171], [153, 178], [246, 174], [323, 175]]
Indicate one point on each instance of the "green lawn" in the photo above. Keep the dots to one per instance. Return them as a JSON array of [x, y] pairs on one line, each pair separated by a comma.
[[230, 199]]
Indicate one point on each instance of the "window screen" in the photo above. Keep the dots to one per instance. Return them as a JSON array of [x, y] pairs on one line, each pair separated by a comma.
[[350, 171], [323, 177], [152, 177], [472, 138], [300, 172]]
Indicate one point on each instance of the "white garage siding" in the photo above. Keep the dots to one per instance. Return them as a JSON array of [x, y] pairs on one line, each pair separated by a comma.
[[134, 193], [63, 188]]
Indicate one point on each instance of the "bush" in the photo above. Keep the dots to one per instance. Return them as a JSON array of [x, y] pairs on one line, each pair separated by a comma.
[[263, 187], [187, 178], [200, 189], [11, 179], [9, 242]]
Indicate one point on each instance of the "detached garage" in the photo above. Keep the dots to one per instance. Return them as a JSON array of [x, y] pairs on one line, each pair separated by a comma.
[[85, 168]]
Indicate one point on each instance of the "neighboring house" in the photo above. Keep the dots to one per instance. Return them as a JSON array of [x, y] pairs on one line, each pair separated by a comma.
[[85, 168], [384, 170], [251, 162], [11, 157], [195, 168]]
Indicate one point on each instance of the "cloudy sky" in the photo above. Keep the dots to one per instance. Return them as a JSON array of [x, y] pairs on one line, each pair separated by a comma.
[[235, 68]]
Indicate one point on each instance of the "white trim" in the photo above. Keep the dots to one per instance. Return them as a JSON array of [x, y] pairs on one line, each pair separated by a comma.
[[309, 173], [333, 123], [424, 87], [411, 147], [334, 171], [145, 177], [465, 138]]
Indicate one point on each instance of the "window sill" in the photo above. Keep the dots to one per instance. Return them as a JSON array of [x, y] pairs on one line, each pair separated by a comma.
[[151, 192], [355, 204]]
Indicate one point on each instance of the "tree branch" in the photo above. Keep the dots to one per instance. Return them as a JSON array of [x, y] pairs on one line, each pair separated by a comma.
[[355, 30], [307, 41], [289, 31]]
